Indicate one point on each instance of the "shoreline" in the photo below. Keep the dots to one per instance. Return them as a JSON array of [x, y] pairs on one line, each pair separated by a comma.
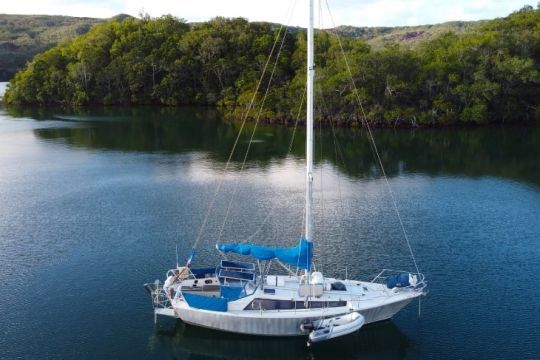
[[354, 122], [338, 121]]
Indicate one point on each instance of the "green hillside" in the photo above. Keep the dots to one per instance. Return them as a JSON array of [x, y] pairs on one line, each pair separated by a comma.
[[490, 74], [410, 36], [23, 36]]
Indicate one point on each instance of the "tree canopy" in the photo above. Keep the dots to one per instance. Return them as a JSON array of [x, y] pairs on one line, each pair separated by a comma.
[[490, 74]]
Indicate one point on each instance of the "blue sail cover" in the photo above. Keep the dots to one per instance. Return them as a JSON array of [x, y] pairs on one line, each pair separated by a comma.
[[299, 255]]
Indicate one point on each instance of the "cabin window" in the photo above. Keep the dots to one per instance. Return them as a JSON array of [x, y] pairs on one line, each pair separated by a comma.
[[271, 304], [339, 286]]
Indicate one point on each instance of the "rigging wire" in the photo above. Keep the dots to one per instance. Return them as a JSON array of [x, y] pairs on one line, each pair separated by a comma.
[[372, 140], [245, 117], [257, 119], [288, 152], [336, 146]]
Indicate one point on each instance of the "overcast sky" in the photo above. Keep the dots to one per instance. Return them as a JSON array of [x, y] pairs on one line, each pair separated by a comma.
[[345, 12]]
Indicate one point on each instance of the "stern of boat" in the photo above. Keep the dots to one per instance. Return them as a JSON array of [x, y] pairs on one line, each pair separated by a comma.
[[161, 300]]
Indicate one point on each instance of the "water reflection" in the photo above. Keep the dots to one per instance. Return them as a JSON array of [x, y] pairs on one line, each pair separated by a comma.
[[473, 152], [382, 340], [114, 190]]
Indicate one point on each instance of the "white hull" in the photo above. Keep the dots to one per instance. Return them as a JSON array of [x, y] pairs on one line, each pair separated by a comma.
[[377, 303], [384, 312], [284, 324], [261, 326]]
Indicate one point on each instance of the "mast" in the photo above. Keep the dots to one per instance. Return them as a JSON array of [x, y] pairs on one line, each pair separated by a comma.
[[309, 128]]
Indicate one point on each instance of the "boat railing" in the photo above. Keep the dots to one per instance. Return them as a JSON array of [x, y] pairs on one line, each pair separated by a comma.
[[160, 298], [236, 271], [185, 273], [382, 276], [180, 274], [237, 265]]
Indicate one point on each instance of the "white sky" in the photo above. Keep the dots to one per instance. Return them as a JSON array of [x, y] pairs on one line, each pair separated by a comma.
[[345, 12]]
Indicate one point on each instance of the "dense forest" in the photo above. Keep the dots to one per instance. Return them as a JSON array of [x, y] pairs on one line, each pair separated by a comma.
[[24, 36], [488, 74]]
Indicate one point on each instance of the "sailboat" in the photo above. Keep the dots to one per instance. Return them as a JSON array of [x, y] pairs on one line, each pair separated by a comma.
[[240, 297]]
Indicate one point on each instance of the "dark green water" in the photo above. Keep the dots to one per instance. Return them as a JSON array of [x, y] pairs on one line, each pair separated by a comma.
[[92, 205]]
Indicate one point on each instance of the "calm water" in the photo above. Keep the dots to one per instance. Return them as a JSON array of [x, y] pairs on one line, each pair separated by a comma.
[[92, 205]]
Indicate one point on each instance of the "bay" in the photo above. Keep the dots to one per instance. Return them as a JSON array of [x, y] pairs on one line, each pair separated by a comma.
[[93, 203]]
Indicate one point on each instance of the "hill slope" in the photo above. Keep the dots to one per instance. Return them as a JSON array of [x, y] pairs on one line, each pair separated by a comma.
[[488, 75], [23, 36], [410, 36]]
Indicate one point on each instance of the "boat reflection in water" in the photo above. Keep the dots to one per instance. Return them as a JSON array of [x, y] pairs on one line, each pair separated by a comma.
[[379, 340]]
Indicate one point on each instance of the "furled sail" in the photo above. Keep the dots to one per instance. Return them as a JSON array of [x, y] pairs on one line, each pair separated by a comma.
[[299, 255]]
